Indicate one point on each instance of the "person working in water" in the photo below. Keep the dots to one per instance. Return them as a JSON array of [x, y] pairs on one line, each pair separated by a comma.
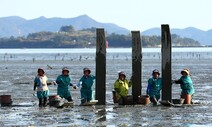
[[154, 87], [87, 83], [186, 85], [40, 83], [121, 87], [64, 83]]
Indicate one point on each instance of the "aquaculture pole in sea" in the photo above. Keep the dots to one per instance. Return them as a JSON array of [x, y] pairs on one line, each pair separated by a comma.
[[136, 65], [166, 51], [100, 66]]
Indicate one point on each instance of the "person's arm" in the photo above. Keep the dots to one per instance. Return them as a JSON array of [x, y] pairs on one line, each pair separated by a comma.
[[116, 87], [178, 81], [148, 87], [70, 84], [80, 82], [49, 83], [58, 80], [35, 84]]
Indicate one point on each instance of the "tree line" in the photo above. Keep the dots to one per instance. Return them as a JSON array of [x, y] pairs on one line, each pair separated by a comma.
[[68, 37]]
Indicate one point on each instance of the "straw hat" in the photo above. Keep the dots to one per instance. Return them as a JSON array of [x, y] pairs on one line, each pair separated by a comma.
[[65, 69], [86, 69], [186, 70]]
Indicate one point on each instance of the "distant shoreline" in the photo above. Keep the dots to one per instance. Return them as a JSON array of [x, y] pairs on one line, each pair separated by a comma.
[[93, 50], [95, 47]]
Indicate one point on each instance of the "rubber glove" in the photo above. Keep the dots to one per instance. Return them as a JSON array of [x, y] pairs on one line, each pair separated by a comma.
[[79, 84]]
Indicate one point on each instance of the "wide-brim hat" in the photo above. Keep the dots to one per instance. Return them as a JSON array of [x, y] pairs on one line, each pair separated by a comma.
[[122, 73], [186, 71], [155, 71], [41, 69], [65, 69], [86, 69]]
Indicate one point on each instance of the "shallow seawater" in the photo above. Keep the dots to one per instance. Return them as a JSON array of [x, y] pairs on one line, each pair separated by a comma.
[[18, 71]]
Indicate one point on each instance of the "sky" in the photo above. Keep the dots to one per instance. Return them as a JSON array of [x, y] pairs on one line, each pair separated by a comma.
[[130, 14]]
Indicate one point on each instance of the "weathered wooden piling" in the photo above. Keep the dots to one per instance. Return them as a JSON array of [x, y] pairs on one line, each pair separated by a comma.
[[100, 66], [136, 65], [166, 63]]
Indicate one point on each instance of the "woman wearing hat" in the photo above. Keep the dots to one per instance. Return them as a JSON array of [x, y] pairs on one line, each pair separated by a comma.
[[186, 85], [121, 87], [64, 81], [40, 83], [87, 83], [154, 87]]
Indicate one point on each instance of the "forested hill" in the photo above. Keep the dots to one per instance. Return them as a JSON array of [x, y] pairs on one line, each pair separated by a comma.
[[68, 37]]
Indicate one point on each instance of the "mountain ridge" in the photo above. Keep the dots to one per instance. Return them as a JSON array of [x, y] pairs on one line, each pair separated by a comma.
[[204, 37], [12, 26], [18, 26]]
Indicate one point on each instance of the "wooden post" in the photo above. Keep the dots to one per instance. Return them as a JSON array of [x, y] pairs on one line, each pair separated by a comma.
[[166, 63], [100, 66], [136, 65]]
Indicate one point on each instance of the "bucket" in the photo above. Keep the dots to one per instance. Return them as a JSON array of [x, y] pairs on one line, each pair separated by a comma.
[[144, 100], [53, 97], [6, 99], [54, 100], [187, 98], [128, 100]]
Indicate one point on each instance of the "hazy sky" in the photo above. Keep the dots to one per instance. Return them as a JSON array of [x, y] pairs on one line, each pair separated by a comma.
[[131, 14]]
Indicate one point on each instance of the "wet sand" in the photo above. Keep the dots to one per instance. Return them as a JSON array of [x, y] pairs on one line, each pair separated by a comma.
[[17, 76]]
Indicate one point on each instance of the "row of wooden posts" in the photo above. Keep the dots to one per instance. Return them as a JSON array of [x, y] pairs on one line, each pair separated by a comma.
[[136, 65]]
